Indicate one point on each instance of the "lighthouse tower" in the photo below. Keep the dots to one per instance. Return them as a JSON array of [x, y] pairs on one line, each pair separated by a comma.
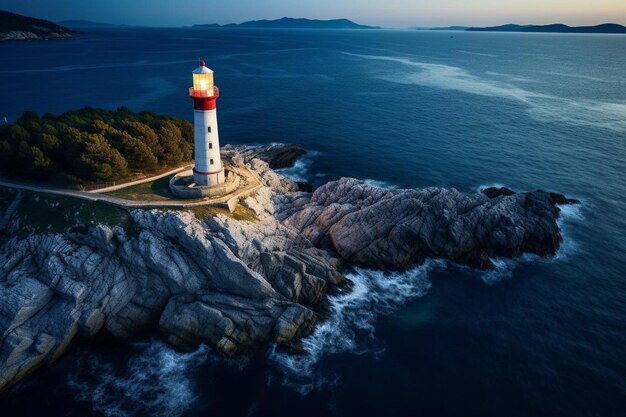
[[208, 170]]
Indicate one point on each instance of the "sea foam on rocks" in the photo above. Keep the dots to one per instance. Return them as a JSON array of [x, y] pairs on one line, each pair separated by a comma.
[[236, 284]]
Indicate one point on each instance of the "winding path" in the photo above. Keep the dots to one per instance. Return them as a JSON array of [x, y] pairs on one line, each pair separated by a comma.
[[227, 201]]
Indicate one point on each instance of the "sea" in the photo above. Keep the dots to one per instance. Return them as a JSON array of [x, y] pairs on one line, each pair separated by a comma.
[[395, 108]]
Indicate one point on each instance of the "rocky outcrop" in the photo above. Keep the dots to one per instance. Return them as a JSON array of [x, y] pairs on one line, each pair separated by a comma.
[[394, 229], [235, 284], [17, 27], [277, 155], [493, 192]]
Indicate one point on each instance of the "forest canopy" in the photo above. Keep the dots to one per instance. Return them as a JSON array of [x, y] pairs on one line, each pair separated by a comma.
[[92, 145]]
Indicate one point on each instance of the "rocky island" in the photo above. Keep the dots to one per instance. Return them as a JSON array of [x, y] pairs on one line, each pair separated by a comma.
[[236, 284], [15, 27], [612, 28], [292, 23]]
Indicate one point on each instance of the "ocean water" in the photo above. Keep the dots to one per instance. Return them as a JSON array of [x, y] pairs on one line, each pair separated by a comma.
[[397, 109]]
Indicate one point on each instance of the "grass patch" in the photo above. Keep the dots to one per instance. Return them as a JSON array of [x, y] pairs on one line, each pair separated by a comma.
[[157, 190], [241, 213], [47, 213]]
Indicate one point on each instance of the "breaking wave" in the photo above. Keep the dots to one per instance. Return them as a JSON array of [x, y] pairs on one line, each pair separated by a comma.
[[350, 325], [155, 382], [570, 214], [300, 170], [378, 183]]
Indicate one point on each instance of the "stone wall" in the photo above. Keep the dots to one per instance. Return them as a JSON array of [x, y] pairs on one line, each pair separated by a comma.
[[183, 191]]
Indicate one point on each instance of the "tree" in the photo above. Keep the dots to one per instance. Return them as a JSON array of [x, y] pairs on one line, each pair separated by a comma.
[[186, 130], [17, 134], [39, 166], [73, 148], [137, 154], [170, 140], [49, 143], [146, 134], [92, 144], [100, 161], [6, 157]]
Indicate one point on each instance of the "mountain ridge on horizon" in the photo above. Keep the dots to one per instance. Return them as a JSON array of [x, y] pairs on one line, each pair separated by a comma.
[[553, 28], [292, 23]]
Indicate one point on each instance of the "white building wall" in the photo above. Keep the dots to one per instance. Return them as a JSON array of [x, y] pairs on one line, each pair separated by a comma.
[[207, 148]]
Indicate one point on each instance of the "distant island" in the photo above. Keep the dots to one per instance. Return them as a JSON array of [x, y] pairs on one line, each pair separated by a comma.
[[455, 28], [292, 23], [553, 28], [17, 27]]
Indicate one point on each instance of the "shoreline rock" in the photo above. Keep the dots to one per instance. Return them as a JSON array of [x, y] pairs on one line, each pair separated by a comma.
[[557, 198], [235, 284]]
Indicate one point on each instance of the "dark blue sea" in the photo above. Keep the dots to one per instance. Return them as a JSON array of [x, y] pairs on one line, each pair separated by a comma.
[[536, 337]]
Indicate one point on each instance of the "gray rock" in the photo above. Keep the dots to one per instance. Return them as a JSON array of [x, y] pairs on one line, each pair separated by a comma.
[[394, 229], [277, 155], [235, 284]]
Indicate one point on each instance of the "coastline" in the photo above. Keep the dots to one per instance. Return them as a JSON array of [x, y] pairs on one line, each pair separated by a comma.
[[206, 281]]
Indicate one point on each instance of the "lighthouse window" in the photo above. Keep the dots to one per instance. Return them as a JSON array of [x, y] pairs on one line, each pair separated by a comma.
[[210, 145], [211, 162], [209, 129]]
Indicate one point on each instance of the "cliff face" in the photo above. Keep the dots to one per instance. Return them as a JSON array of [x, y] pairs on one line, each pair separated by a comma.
[[17, 27], [234, 284]]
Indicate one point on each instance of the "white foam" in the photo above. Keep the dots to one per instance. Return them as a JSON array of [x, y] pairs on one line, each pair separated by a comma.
[[379, 183], [570, 215], [155, 382], [541, 106], [572, 75], [300, 170], [480, 188], [504, 267], [478, 54], [352, 316]]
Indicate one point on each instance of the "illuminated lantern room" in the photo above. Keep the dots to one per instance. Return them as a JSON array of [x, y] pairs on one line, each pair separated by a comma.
[[202, 82]]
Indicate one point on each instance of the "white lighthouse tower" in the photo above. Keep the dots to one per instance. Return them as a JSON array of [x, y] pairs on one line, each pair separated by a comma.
[[208, 169]]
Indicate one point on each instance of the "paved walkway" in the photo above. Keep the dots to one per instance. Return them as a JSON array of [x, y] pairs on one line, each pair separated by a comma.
[[228, 201], [140, 181]]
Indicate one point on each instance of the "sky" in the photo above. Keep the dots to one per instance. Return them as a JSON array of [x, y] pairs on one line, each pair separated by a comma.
[[387, 13]]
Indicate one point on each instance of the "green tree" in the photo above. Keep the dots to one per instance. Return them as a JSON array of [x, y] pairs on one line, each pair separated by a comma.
[[50, 143], [92, 144], [146, 134], [186, 130], [137, 154], [39, 165], [17, 134], [73, 148], [100, 161], [171, 140], [6, 157]]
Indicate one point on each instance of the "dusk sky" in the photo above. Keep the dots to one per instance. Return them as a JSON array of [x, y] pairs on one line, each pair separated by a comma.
[[388, 13]]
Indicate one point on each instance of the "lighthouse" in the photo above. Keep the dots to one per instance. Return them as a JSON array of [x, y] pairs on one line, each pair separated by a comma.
[[208, 169]]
